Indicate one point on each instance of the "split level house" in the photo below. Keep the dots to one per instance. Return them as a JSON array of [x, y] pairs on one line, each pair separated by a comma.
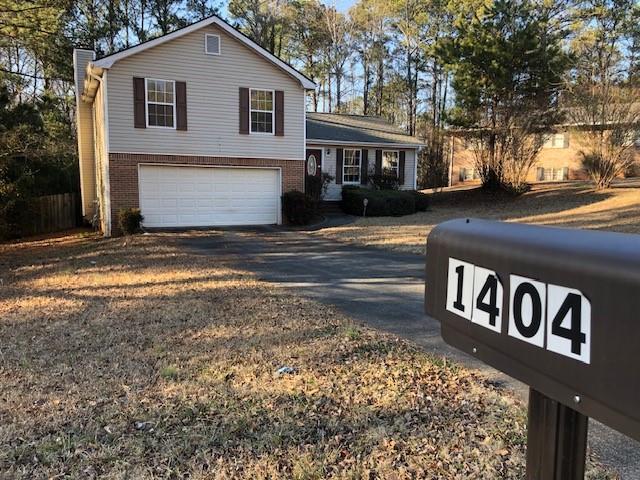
[[203, 127]]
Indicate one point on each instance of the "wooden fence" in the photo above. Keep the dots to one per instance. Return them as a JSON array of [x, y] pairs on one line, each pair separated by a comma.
[[53, 213]]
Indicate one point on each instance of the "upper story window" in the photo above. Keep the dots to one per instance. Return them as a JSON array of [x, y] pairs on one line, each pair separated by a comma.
[[261, 111], [212, 44], [161, 103], [390, 162], [557, 140], [351, 165]]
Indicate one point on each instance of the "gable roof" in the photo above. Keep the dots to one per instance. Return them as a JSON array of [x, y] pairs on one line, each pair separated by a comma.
[[108, 60], [337, 128]]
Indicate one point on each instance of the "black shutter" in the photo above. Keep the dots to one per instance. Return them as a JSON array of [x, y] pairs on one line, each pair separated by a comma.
[[279, 113], [378, 162], [181, 106], [364, 167], [401, 163], [139, 103], [339, 153], [244, 111]]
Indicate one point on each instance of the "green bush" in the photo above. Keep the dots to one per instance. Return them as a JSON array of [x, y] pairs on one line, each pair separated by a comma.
[[298, 208], [421, 199], [401, 204], [385, 182], [130, 220], [381, 202]]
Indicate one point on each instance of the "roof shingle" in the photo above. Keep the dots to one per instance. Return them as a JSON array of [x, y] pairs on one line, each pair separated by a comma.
[[355, 129]]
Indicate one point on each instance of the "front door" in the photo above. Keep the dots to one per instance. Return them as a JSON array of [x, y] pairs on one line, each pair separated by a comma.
[[313, 172]]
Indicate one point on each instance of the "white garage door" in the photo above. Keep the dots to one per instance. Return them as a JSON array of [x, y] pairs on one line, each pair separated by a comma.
[[207, 196]]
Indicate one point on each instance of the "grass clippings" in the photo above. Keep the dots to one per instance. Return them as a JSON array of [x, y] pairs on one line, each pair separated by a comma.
[[137, 359], [573, 205]]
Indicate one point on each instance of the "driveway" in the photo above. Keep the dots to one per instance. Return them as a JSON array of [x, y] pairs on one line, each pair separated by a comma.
[[382, 289]]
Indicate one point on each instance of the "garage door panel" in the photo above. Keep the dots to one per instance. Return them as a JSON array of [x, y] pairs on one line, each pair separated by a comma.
[[188, 196]]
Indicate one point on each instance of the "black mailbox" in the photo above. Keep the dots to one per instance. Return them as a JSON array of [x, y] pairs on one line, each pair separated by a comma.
[[558, 309]]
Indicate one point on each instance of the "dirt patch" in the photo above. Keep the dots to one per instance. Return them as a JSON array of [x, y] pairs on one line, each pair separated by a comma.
[[559, 205], [131, 358]]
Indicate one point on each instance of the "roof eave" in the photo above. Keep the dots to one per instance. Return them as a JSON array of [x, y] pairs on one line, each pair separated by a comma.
[[109, 61], [318, 141]]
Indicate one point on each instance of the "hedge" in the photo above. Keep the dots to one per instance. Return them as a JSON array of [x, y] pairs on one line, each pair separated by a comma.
[[382, 202], [298, 207]]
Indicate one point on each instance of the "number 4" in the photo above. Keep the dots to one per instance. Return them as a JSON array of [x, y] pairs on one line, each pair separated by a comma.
[[488, 299], [568, 323]]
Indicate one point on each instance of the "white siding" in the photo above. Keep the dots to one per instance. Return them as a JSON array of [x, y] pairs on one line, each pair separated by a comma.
[[334, 191], [213, 83]]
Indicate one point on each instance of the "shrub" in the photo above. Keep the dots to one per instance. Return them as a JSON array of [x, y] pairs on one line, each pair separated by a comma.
[[381, 202], [316, 186], [421, 199], [385, 182], [298, 208], [130, 220], [401, 204]]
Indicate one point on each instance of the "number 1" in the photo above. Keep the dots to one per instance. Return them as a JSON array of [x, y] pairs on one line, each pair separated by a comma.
[[458, 303]]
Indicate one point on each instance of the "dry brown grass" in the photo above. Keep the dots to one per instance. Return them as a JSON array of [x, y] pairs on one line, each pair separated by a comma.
[[135, 359], [558, 205]]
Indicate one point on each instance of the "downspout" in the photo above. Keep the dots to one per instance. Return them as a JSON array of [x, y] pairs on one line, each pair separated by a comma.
[[106, 184]]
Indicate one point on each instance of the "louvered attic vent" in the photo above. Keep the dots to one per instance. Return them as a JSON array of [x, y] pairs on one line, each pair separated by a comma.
[[212, 44]]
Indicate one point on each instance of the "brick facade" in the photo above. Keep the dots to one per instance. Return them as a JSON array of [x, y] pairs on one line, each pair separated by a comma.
[[549, 158], [123, 174]]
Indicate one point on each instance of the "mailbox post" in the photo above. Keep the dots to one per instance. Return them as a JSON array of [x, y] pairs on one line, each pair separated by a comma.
[[557, 309]]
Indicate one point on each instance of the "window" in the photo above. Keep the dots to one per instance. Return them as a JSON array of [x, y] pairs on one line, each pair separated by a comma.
[[212, 44], [553, 174], [261, 109], [390, 163], [467, 174], [557, 140], [351, 166], [161, 103]]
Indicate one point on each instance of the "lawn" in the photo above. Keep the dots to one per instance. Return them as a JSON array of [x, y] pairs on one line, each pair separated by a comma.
[[559, 205], [134, 358]]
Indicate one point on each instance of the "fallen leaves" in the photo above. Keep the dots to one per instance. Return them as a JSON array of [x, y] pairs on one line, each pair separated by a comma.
[[157, 363]]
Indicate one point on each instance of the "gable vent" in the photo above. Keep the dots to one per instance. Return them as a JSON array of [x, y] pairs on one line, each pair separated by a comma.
[[212, 44]]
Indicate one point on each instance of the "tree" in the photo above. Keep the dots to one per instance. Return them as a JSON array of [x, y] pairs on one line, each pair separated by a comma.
[[604, 88], [201, 9], [371, 25], [507, 67], [338, 50], [264, 21], [165, 16], [308, 37]]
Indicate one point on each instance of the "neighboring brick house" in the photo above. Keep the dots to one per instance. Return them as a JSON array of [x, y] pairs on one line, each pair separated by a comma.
[[199, 127], [559, 159]]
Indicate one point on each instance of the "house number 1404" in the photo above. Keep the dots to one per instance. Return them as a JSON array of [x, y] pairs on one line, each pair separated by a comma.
[[545, 315]]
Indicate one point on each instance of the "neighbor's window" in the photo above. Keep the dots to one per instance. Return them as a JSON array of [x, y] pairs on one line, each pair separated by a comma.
[[261, 111], [351, 166], [467, 174], [557, 140], [161, 103], [553, 174], [390, 162]]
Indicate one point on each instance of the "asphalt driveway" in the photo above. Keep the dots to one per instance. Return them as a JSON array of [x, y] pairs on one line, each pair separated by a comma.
[[382, 289]]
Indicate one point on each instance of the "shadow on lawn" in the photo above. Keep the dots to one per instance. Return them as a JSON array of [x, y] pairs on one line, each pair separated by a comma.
[[175, 379]]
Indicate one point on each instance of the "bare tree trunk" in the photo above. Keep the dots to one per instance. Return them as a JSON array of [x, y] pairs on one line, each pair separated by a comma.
[[366, 87], [380, 86]]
